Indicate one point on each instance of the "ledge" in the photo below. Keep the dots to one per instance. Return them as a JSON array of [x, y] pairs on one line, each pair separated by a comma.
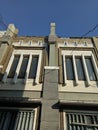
[[51, 67], [78, 102], [23, 100]]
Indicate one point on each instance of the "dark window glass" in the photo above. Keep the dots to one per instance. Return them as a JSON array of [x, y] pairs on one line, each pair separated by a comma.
[[80, 69], [23, 67], [90, 69], [69, 68], [33, 67], [13, 66], [16, 120], [81, 121]]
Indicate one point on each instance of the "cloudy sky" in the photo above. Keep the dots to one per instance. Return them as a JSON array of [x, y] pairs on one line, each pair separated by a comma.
[[33, 17]]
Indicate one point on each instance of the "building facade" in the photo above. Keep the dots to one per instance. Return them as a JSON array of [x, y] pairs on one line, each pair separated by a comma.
[[48, 83]]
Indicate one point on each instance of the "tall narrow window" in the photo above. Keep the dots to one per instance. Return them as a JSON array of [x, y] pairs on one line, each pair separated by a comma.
[[90, 68], [23, 67], [80, 69], [13, 66], [69, 68], [33, 67]]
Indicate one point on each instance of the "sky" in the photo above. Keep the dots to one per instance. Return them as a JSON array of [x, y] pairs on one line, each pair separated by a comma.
[[73, 18]]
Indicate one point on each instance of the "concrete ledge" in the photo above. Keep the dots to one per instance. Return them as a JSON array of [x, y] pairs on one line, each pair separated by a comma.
[[51, 67], [78, 102], [15, 99]]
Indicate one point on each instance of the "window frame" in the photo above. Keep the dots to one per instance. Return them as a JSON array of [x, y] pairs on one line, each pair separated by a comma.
[[22, 53], [81, 112], [82, 54], [20, 109]]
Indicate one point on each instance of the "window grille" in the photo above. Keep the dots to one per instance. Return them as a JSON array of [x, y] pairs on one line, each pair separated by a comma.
[[81, 121], [16, 120]]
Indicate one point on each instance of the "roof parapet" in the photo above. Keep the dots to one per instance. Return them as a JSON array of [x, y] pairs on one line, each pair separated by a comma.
[[9, 34], [11, 31]]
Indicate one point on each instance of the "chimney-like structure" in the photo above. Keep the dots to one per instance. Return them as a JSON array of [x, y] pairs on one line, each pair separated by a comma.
[[52, 29], [52, 36], [52, 44]]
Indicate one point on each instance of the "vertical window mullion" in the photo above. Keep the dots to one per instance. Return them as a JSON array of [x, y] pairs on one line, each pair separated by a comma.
[[38, 69], [83, 121], [27, 120], [31, 120], [18, 68], [23, 121], [35, 117], [8, 69], [95, 66], [28, 68], [73, 120], [65, 121], [64, 66], [70, 121], [75, 70], [85, 71], [20, 121]]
